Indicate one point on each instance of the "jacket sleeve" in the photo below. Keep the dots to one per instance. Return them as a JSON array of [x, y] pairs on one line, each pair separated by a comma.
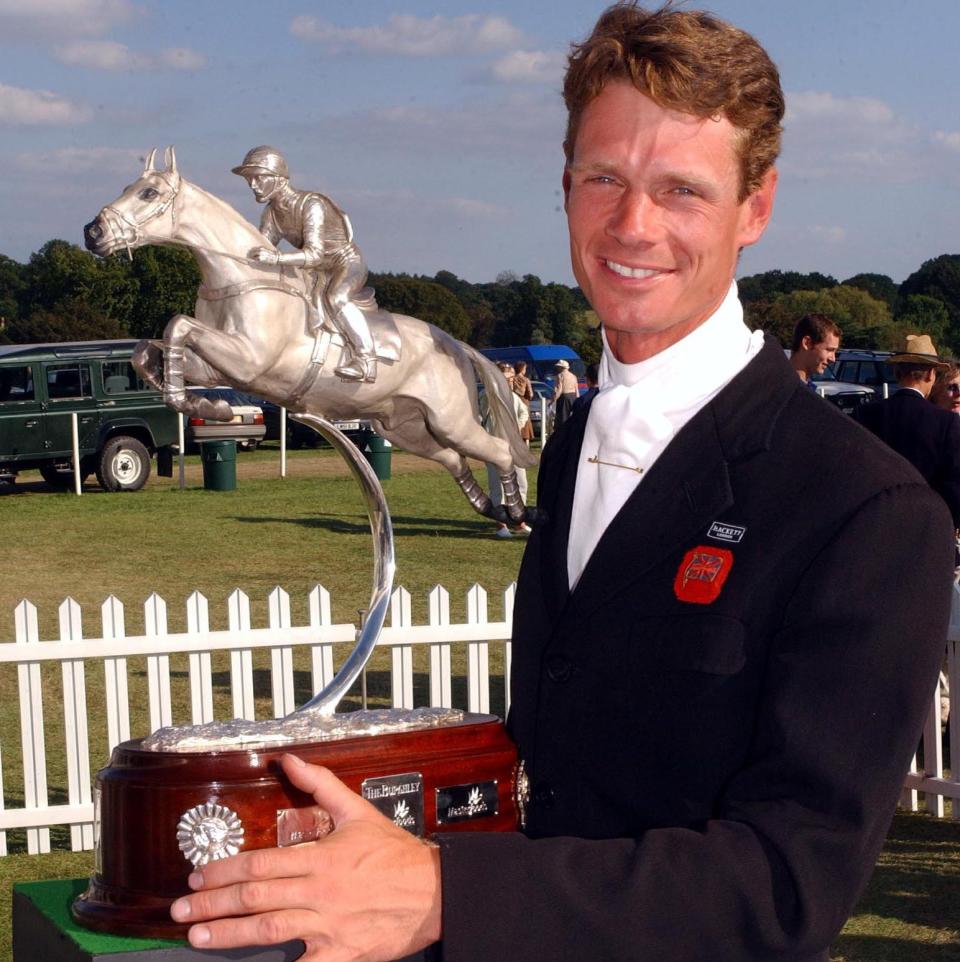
[[796, 830]]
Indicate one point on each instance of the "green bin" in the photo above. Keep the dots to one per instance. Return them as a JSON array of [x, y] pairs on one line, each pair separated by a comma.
[[219, 465], [377, 451]]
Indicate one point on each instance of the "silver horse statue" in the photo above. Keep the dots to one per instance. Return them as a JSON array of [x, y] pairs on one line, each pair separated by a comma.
[[252, 329]]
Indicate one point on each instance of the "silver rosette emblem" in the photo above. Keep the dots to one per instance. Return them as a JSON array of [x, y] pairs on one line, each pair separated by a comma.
[[208, 832]]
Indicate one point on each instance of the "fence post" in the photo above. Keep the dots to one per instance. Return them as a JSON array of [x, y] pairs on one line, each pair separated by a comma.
[[401, 656], [75, 724], [201, 676], [115, 676], [509, 595], [478, 654], [321, 656], [441, 694], [158, 666], [281, 659], [241, 662], [31, 726]]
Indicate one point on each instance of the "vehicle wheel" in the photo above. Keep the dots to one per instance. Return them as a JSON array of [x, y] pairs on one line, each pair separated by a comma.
[[61, 479], [124, 465]]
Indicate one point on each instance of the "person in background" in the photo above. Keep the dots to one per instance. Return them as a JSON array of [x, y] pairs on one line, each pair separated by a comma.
[[593, 387], [523, 388], [565, 392], [922, 433], [816, 339], [495, 489], [946, 389]]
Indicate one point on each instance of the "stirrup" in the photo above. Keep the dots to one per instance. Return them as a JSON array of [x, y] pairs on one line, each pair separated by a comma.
[[357, 368]]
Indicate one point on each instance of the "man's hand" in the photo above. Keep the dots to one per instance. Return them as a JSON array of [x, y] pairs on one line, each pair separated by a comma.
[[368, 891], [264, 255]]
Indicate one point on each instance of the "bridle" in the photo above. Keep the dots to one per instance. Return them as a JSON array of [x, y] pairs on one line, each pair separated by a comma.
[[173, 180]]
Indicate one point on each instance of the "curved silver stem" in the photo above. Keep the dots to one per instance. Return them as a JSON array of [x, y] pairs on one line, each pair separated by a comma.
[[384, 566]]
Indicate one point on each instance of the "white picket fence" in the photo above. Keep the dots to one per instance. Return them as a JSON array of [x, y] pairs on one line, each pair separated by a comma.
[[77, 655], [114, 646]]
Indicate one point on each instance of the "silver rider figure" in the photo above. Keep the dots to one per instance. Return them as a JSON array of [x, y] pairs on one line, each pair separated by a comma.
[[323, 236]]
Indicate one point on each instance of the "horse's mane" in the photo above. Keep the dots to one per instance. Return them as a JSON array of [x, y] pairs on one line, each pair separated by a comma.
[[230, 215]]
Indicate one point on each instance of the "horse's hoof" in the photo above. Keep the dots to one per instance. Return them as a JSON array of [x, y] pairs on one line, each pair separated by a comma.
[[535, 517], [217, 410]]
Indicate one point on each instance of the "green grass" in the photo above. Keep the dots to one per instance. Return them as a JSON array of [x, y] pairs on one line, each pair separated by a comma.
[[306, 529]]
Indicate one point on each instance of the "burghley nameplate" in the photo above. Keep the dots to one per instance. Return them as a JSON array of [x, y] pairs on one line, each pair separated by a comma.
[[399, 797], [462, 803]]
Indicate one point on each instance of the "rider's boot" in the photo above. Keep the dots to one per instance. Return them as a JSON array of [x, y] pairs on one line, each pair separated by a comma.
[[353, 325]]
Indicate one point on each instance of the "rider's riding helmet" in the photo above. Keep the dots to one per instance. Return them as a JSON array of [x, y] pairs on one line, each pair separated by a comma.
[[263, 159]]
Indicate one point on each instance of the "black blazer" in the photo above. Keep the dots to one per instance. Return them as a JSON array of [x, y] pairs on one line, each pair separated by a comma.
[[717, 721], [927, 436]]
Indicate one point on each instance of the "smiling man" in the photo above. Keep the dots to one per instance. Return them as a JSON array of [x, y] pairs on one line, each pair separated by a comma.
[[717, 680]]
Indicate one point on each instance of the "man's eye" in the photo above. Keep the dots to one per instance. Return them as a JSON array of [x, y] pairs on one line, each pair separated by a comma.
[[148, 193]]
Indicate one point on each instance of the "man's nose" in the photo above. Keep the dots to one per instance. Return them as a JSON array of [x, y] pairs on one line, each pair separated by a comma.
[[635, 219]]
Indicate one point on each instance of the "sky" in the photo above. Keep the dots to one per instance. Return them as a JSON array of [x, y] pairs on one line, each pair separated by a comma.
[[438, 127]]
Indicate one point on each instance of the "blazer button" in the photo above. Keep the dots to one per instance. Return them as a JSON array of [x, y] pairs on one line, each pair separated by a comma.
[[559, 670]]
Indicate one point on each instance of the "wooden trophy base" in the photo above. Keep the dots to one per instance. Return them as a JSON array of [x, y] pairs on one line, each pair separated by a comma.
[[160, 812]]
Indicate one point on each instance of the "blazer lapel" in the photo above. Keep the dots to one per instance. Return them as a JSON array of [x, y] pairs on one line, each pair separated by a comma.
[[684, 491]]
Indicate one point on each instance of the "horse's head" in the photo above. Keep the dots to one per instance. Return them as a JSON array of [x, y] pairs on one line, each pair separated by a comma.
[[123, 224]]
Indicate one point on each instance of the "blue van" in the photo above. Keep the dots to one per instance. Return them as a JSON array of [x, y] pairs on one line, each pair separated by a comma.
[[541, 360]]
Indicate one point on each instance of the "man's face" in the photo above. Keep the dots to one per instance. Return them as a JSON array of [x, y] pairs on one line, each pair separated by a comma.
[[263, 185], [819, 355], [654, 218]]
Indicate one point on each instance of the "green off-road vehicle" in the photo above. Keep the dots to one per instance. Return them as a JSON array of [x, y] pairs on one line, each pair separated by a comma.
[[121, 421]]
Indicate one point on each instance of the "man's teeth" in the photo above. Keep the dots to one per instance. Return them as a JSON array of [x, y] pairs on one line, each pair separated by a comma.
[[623, 271]]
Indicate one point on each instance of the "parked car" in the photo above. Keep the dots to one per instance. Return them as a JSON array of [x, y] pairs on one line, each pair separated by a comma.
[[869, 368], [541, 389], [246, 427], [846, 395], [301, 435], [121, 420]]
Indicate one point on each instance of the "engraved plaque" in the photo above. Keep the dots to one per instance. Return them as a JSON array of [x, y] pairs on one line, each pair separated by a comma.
[[296, 825], [463, 803], [399, 797]]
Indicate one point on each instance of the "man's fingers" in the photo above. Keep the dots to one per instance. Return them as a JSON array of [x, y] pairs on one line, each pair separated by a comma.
[[241, 898], [265, 863], [270, 928], [328, 791]]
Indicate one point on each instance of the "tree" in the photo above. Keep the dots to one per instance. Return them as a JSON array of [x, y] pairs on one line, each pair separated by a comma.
[[921, 314], [766, 286], [865, 321], [878, 286], [939, 278], [422, 298], [167, 280], [72, 319], [12, 283]]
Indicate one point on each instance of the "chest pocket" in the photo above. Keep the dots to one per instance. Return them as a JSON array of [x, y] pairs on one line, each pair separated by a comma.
[[706, 644]]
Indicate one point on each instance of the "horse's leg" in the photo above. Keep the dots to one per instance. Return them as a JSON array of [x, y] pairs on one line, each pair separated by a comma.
[[147, 360], [413, 436], [190, 346]]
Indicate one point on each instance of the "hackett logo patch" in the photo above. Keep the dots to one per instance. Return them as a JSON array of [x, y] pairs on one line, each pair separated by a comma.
[[701, 574], [732, 533]]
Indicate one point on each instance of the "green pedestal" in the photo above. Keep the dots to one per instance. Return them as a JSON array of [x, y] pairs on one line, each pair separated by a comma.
[[219, 465], [44, 930]]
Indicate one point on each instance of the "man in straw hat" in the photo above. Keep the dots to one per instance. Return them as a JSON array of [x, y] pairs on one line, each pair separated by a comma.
[[714, 712], [926, 435]]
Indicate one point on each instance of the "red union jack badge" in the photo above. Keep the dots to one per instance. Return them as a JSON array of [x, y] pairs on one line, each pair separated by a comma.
[[701, 574]]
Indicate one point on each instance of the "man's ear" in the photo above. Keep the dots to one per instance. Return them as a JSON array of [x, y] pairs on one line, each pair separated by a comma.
[[565, 180], [757, 208], [806, 342]]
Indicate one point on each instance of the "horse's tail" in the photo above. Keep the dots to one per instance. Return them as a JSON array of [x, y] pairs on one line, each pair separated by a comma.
[[502, 416]]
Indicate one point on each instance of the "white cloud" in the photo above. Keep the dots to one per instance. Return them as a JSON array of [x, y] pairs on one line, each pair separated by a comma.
[[21, 106], [110, 55], [529, 66], [44, 18], [817, 105], [114, 160], [411, 36], [949, 138], [828, 234]]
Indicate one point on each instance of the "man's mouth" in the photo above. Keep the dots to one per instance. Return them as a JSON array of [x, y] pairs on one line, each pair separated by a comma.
[[637, 273]]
